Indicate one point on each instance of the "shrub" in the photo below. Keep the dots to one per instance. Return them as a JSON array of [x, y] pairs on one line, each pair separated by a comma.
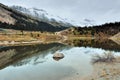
[[106, 57]]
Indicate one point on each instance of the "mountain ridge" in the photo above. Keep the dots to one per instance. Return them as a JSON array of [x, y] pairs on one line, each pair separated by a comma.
[[43, 15], [10, 18]]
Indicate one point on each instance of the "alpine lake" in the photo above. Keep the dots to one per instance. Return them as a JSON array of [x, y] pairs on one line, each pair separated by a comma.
[[83, 60]]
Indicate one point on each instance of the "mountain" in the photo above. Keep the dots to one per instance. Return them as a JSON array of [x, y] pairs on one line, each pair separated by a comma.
[[13, 19], [43, 15], [52, 19]]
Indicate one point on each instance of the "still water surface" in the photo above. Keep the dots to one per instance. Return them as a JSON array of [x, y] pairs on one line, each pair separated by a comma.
[[36, 62]]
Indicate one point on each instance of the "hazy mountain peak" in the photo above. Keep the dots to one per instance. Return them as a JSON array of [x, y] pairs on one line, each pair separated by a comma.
[[43, 15], [18, 18]]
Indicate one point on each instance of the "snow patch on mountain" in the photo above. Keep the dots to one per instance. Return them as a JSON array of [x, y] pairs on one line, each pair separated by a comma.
[[46, 17], [42, 15]]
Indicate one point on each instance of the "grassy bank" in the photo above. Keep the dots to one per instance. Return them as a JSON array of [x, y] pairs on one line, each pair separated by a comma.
[[9, 36]]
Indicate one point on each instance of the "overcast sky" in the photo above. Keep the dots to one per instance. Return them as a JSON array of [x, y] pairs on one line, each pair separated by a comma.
[[99, 11]]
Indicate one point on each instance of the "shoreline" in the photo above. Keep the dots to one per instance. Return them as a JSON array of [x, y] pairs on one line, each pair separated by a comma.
[[38, 41], [14, 43]]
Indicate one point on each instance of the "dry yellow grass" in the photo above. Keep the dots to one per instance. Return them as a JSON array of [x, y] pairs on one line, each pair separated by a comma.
[[15, 38], [19, 36]]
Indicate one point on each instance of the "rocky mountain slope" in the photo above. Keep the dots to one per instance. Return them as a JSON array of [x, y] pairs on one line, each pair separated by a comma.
[[43, 15], [13, 19], [5, 16]]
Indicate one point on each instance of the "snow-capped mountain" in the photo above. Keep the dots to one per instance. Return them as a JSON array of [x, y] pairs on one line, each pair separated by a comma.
[[52, 19], [42, 15]]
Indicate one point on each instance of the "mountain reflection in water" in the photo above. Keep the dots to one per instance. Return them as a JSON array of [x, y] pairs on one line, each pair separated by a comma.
[[36, 61], [15, 54]]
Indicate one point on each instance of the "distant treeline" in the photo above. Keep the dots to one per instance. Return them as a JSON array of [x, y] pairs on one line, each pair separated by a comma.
[[100, 30], [104, 44], [28, 26]]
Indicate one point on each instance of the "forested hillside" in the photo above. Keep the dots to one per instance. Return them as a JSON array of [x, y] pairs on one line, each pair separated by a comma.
[[105, 30], [12, 19]]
